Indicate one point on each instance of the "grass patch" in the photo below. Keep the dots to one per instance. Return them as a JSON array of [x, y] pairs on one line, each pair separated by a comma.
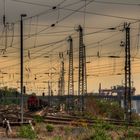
[[38, 119], [57, 138], [27, 132], [49, 128]]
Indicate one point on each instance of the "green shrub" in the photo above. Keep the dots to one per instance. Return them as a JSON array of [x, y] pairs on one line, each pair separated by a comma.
[[57, 138], [49, 127], [100, 134], [38, 119], [105, 108], [103, 125], [100, 130], [115, 112], [107, 126], [27, 132], [130, 133], [137, 123]]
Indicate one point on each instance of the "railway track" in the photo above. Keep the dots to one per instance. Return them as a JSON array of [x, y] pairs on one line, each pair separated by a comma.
[[61, 119], [77, 121]]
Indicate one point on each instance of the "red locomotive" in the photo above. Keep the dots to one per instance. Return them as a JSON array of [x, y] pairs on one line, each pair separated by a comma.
[[34, 103]]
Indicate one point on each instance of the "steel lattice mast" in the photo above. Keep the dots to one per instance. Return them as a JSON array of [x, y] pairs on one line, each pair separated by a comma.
[[127, 95], [82, 68], [85, 70], [61, 81], [70, 78]]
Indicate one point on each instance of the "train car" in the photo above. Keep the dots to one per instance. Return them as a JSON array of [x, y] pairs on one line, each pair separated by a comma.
[[33, 103]]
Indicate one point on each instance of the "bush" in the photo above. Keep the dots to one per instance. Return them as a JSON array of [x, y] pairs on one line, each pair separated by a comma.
[[27, 132], [130, 133], [109, 109], [49, 127], [99, 134], [137, 123], [107, 126], [116, 112], [57, 138], [101, 129], [103, 125], [38, 119], [136, 117]]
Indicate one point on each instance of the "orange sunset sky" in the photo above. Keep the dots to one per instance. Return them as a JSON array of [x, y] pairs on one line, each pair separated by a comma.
[[43, 43]]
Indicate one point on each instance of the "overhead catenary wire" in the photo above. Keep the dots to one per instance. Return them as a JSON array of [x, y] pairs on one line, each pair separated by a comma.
[[87, 12], [56, 22], [5, 67], [64, 40], [118, 3], [52, 8], [61, 41], [99, 31], [52, 25]]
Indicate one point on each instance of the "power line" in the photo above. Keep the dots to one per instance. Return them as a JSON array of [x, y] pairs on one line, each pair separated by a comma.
[[48, 33], [117, 3], [53, 43], [107, 43], [63, 18], [52, 8], [32, 58], [87, 12]]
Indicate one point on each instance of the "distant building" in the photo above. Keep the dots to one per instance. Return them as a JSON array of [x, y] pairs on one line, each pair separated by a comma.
[[135, 104], [115, 90]]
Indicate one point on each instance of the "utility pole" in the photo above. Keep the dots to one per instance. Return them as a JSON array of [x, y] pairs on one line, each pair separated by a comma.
[[82, 85], [5, 25], [59, 87], [127, 94], [62, 79], [70, 76], [21, 63], [49, 94]]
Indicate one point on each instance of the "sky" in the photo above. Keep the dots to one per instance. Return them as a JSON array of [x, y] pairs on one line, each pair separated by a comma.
[[43, 43]]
